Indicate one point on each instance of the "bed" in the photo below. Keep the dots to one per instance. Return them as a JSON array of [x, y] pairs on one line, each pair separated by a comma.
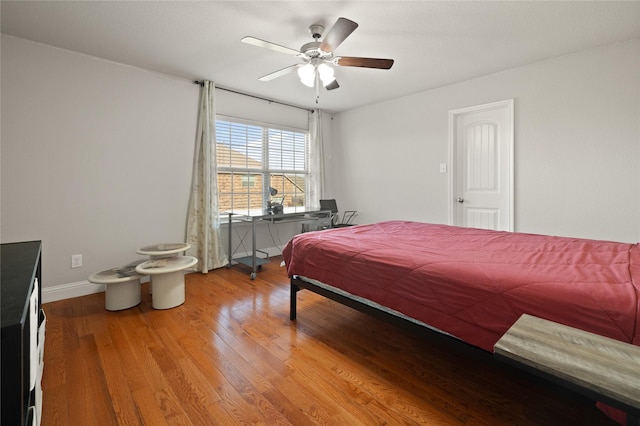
[[471, 284]]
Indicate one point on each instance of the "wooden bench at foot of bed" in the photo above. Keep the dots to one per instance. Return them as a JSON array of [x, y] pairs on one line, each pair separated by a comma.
[[600, 368]]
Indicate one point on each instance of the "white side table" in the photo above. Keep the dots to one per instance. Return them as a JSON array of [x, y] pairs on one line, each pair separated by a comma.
[[159, 251], [167, 279], [122, 287]]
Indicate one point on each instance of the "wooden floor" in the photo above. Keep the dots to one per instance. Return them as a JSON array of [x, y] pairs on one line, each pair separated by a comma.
[[230, 355]]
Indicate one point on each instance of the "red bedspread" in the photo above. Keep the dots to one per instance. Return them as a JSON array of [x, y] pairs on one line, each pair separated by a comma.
[[474, 284]]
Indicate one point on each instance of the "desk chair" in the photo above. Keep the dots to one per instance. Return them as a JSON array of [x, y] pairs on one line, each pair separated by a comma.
[[332, 221], [336, 221]]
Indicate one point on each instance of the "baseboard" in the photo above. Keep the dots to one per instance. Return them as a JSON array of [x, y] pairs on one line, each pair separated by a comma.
[[70, 290]]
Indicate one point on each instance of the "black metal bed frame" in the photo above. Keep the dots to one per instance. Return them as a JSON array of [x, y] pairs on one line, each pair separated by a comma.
[[298, 284]]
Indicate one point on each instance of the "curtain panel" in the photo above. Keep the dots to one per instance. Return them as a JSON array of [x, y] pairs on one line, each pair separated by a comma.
[[316, 159], [203, 220]]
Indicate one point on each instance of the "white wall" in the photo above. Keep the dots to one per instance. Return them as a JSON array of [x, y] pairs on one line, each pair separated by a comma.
[[577, 147], [96, 157]]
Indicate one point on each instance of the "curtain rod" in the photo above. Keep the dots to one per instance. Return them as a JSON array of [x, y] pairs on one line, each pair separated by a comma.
[[201, 83]]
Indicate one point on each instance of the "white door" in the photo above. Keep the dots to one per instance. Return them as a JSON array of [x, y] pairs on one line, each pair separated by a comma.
[[481, 158]]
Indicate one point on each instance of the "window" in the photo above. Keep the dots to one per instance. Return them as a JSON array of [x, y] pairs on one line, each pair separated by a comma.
[[253, 159], [248, 180]]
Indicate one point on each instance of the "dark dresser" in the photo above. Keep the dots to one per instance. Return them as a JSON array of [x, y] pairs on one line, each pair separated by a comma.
[[23, 323]]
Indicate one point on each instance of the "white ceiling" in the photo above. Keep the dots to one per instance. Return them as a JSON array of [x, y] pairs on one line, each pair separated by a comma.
[[434, 43]]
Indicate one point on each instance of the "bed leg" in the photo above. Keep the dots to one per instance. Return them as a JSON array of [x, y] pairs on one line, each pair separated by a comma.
[[292, 303]]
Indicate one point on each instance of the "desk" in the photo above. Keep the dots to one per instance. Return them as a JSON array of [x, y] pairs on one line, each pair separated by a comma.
[[253, 260], [598, 367]]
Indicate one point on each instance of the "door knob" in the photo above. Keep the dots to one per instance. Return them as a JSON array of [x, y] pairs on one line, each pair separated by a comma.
[[460, 200]]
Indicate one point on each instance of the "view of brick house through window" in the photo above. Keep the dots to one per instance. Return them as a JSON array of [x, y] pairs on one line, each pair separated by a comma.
[[251, 158]]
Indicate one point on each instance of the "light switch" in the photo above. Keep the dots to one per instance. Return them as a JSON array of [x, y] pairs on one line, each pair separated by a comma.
[[443, 167]]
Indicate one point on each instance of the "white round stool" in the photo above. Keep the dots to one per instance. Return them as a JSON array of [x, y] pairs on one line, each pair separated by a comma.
[[162, 250], [122, 287], [158, 251], [167, 279]]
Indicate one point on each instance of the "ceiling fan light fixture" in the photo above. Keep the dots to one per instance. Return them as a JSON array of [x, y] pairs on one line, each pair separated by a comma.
[[307, 74], [318, 56], [327, 74]]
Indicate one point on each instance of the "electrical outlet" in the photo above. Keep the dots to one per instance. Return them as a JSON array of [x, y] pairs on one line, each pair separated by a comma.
[[76, 260]]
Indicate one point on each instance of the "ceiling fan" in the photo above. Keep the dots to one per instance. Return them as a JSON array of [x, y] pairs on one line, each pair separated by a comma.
[[318, 56]]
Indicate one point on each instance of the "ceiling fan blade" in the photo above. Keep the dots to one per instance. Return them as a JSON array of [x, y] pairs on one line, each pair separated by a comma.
[[333, 85], [279, 73], [337, 34], [268, 45], [352, 61]]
